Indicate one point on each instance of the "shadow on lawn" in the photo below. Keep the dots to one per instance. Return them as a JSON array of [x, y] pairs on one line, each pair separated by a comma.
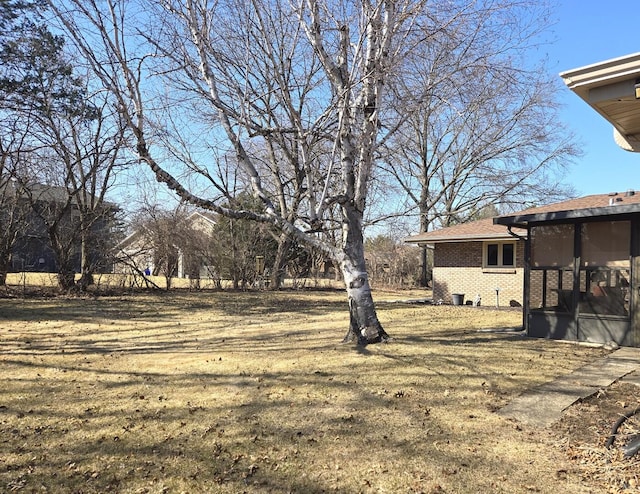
[[169, 305], [304, 429], [236, 408]]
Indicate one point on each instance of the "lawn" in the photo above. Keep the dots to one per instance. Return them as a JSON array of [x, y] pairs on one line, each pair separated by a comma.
[[229, 392]]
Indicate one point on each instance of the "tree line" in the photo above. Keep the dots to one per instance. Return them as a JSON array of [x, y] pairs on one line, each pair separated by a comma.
[[334, 116]]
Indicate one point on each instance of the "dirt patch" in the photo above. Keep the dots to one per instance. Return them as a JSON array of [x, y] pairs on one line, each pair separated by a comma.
[[585, 428]]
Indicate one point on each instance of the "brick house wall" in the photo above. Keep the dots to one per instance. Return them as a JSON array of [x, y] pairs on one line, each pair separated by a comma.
[[457, 268]]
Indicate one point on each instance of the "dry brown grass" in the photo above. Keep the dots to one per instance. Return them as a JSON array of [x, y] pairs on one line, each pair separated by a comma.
[[253, 392]]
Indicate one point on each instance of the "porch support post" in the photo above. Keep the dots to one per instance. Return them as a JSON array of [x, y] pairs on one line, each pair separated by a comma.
[[634, 295], [526, 297], [577, 257]]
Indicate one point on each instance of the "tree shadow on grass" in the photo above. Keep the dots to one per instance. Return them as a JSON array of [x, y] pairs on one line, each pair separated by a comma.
[[159, 306], [294, 411], [286, 431]]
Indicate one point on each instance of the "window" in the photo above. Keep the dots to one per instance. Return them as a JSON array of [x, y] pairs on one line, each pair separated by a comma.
[[499, 254], [492, 254], [508, 255]]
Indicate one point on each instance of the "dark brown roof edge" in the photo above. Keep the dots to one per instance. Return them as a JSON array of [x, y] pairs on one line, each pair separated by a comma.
[[524, 220]]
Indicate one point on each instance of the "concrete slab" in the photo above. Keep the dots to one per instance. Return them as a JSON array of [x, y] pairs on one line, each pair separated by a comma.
[[633, 378], [543, 405]]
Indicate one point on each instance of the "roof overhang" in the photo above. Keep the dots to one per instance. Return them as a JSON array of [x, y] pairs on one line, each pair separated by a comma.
[[571, 216], [435, 239], [612, 88]]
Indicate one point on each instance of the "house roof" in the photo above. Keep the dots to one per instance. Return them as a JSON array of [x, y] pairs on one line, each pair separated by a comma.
[[192, 219], [43, 193], [207, 215], [496, 228], [612, 88], [594, 206], [478, 230]]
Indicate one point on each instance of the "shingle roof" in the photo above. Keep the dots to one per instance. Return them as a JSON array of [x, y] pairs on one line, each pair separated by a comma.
[[474, 230], [596, 206], [486, 230], [587, 202]]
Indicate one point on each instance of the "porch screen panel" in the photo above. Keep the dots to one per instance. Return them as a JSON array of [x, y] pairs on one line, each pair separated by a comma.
[[552, 246], [536, 281], [551, 290], [605, 268], [606, 243]]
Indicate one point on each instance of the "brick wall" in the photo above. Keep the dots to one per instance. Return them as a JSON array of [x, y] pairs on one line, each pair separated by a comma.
[[458, 269]]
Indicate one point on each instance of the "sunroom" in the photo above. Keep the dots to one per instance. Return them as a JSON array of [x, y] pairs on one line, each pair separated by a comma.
[[582, 273]]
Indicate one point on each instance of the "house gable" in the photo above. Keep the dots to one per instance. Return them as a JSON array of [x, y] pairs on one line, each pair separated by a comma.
[[138, 255]]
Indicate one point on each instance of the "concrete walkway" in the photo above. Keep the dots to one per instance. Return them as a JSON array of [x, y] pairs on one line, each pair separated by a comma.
[[543, 405]]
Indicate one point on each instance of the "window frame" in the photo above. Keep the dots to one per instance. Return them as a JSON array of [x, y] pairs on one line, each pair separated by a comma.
[[500, 264]]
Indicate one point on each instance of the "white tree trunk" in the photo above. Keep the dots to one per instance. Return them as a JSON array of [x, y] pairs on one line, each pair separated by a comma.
[[364, 326]]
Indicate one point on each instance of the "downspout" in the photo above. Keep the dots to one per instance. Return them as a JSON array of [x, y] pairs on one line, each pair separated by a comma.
[[514, 234], [527, 283]]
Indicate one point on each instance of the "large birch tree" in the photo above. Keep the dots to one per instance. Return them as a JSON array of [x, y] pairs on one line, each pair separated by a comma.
[[294, 93], [304, 80]]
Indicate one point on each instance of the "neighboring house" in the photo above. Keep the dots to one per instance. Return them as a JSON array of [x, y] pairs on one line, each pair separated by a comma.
[[581, 257], [476, 259], [32, 249], [139, 253]]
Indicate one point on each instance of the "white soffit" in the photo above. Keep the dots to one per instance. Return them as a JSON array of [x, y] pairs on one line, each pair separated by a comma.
[[609, 88]]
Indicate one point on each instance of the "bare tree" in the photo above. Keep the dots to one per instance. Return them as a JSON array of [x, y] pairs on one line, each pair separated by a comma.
[[205, 51], [163, 234], [92, 154], [483, 124], [390, 261], [70, 144], [16, 25], [70, 171], [14, 212]]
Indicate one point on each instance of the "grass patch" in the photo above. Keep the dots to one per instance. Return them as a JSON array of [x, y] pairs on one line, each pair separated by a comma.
[[252, 392]]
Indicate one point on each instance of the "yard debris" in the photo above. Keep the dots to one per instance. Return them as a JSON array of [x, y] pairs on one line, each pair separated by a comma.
[[633, 445], [583, 428]]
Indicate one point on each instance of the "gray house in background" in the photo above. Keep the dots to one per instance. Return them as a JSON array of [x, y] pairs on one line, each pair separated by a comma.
[[32, 251]]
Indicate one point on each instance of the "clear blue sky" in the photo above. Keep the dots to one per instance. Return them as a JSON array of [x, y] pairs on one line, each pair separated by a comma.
[[587, 32]]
